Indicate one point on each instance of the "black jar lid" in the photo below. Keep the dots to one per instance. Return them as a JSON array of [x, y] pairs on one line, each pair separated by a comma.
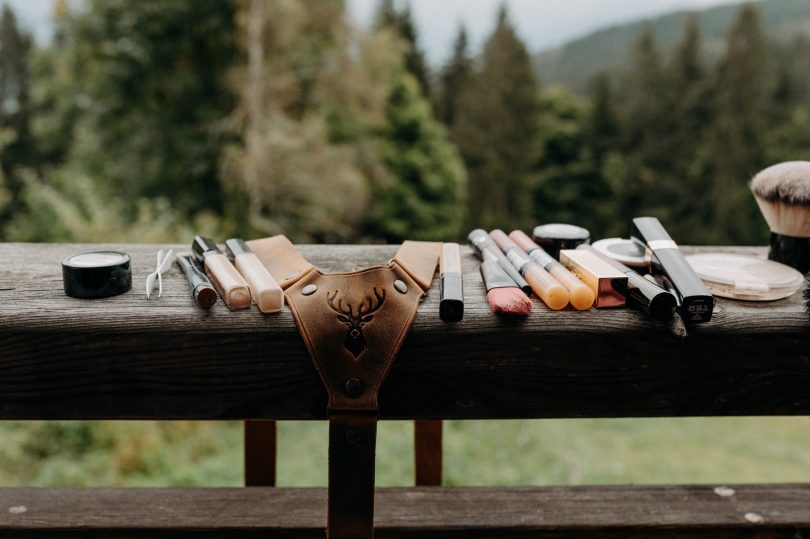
[[561, 231], [98, 274]]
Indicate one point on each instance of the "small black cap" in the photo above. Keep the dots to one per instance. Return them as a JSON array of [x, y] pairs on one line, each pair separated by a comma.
[[99, 274], [200, 245]]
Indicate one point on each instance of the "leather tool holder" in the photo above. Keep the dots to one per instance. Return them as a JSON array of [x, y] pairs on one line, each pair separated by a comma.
[[353, 325]]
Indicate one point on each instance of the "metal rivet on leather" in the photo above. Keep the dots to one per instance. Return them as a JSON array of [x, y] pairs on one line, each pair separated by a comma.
[[292, 275], [354, 387], [401, 287], [354, 436], [309, 289]]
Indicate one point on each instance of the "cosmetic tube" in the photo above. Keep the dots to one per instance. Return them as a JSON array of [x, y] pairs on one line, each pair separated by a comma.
[[580, 295], [641, 293], [223, 275], [266, 292], [451, 305], [543, 284], [480, 241], [201, 288], [696, 302]]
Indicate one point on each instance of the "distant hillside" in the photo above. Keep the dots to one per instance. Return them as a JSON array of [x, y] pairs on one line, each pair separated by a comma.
[[576, 63]]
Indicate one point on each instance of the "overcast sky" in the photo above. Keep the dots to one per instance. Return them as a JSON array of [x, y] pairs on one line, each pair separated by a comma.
[[541, 23]]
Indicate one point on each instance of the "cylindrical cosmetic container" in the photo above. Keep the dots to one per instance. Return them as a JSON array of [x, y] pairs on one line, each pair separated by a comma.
[[554, 237], [266, 292], [223, 275]]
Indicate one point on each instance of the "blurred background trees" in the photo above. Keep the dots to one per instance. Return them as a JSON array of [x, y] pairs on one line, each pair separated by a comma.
[[155, 120]]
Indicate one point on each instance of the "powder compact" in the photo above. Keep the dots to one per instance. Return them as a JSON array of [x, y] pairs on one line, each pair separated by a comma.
[[626, 251], [745, 277]]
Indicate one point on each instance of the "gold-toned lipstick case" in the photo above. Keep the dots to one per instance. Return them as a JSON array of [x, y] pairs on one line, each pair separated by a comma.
[[608, 283]]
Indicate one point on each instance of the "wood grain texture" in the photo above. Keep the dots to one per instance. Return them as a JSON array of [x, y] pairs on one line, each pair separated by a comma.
[[129, 357], [673, 511]]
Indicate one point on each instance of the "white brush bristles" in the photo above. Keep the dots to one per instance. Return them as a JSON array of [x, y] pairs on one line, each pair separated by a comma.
[[783, 195]]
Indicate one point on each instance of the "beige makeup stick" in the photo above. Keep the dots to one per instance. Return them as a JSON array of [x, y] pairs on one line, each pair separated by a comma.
[[223, 275], [266, 292]]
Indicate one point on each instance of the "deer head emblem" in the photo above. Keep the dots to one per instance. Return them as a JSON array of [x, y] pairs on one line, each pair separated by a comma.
[[355, 341]]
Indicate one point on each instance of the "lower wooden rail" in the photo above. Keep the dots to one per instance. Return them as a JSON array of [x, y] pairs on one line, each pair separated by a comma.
[[737, 511]]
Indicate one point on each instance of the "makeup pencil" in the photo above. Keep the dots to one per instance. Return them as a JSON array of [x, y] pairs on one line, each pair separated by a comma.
[[543, 284], [451, 305], [580, 295], [503, 295]]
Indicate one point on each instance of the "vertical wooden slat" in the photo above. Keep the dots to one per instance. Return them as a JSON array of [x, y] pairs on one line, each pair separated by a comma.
[[260, 453], [428, 452]]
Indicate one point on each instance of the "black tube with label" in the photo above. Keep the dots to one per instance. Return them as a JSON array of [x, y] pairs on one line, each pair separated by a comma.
[[696, 302]]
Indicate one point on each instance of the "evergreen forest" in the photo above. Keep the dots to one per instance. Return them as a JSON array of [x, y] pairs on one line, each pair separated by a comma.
[[152, 121]]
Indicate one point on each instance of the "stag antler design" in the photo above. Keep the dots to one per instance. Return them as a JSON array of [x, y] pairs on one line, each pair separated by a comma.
[[355, 341]]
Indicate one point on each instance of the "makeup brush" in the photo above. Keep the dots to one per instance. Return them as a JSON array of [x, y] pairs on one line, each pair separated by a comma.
[[503, 295], [783, 195]]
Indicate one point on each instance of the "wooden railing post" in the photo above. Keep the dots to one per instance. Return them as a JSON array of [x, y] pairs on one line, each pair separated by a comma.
[[427, 434], [260, 453]]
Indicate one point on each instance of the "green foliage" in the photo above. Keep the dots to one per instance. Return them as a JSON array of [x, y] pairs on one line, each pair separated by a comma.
[[148, 81], [737, 142], [453, 79], [400, 21], [422, 197], [570, 188], [17, 148], [496, 132]]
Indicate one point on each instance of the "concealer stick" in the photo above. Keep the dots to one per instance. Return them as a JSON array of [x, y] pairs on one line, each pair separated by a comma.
[[543, 284], [580, 294], [223, 275], [266, 292]]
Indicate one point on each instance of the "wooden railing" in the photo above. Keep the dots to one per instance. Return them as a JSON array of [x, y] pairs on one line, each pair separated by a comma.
[[131, 358]]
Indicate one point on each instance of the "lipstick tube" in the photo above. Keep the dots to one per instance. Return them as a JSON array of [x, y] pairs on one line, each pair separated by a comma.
[[201, 288], [641, 293], [580, 295], [480, 242], [604, 280], [543, 284], [266, 292], [451, 305], [223, 275], [696, 302]]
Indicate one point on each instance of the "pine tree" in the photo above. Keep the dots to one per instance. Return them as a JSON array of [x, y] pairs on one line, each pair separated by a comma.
[[645, 119], [423, 194], [147, 81], [17, 147], [454, 79], [402, 24], [690, 118], [496, 132], [603, 123], [736, 148]]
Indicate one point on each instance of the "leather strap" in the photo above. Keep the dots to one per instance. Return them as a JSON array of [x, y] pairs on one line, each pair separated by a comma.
[[353, 325], [281, 259]]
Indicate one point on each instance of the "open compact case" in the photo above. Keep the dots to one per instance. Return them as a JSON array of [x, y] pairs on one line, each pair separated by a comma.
[[745, 277]]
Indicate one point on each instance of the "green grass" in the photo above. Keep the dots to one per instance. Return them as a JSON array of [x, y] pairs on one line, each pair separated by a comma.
[[543, 452]]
